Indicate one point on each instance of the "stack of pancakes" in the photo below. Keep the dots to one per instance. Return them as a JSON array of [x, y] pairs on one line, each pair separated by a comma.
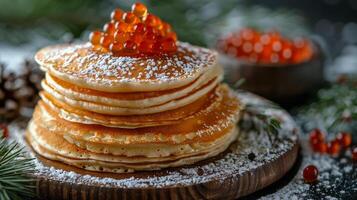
[[119, 114]]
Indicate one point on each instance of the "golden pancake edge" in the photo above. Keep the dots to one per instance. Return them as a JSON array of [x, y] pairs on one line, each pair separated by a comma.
[[122, 114]]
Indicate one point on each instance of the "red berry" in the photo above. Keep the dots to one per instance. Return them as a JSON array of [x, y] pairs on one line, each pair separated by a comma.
[[344, 139], [321, 147], [117, 14], [333, 148], [310, 174], [317, 135], [95, 37], [4, 131], [139, 9], [354, 153], [318, 146]]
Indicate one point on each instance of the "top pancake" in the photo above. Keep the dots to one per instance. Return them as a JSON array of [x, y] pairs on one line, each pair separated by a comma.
[[89, 68]]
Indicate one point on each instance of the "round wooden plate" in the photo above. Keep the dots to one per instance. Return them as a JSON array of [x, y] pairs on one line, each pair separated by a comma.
[[250, 164]]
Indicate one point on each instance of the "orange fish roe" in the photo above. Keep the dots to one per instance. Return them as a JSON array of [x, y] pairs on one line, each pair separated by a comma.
[[266, 48], [135, 33]]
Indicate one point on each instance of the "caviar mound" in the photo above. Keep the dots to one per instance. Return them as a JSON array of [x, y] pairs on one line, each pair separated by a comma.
[[135, 33], [266, 47]]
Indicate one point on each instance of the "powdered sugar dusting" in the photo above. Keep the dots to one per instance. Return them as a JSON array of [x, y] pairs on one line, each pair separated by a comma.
[[234, 162], [330, 181], [81, 61]]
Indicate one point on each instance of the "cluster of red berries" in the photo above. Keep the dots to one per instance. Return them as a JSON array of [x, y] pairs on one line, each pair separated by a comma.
[[266, 47], [318, 144], [135, 32], [343, 140]]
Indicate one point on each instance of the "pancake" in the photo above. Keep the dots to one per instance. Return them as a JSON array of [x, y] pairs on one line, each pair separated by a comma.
[[54, 142], [132, 111], [72, 114], [128, 99], [115, 110], [83, 66], [116, 167], [205, 126]]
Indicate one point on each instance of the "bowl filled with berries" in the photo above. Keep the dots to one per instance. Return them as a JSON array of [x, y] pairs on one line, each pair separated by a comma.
[[276, 67]]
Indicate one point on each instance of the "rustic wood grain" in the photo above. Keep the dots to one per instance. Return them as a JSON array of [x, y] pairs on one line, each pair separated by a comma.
[[231, 187], [225, 185]]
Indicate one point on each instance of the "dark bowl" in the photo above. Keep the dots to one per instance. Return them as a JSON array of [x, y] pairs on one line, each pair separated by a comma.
[[281, 83]]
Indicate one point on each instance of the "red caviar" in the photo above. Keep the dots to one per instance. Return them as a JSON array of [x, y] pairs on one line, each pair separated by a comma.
[[117, 15], [95, 37], [136, 32], [267, 48], [139, 9]]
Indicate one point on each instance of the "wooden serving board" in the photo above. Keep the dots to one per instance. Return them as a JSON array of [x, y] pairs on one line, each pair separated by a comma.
[[250, 164]]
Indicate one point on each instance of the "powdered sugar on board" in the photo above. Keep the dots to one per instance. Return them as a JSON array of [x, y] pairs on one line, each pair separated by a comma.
[[334, 174], [234, 162]]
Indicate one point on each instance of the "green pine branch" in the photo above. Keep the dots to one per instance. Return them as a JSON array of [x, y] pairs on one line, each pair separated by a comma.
[[335, 109], [255, 119], [260, 122], [14, 183]]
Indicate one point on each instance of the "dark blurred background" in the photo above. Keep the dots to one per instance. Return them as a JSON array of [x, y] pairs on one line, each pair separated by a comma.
[[30, 24]]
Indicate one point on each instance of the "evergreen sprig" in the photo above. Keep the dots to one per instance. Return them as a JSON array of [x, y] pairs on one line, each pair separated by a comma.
[[14, 183], [335, 109], [260, 122]]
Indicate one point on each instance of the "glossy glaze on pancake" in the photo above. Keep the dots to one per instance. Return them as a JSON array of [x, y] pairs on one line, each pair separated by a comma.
[[54, 142], [158, 119], [104, 112], [203, 126], [125, 110]]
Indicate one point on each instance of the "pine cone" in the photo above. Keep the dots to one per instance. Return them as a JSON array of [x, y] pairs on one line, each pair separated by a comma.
[[19, 92]]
